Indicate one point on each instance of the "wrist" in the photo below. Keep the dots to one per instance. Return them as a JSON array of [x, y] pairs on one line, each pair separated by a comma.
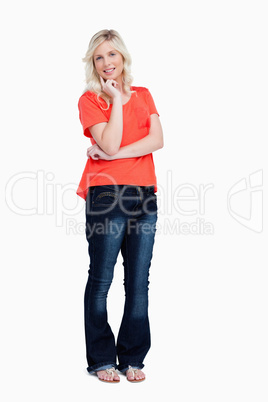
[[117, 98]]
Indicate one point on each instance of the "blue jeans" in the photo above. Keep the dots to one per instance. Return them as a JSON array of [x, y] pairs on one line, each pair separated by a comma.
[[119, 217]]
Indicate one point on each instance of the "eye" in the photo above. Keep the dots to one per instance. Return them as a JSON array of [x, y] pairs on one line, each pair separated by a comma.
[[112, 54], [98, 58]]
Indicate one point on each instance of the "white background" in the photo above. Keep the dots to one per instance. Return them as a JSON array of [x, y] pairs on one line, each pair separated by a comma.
[[205, 63]]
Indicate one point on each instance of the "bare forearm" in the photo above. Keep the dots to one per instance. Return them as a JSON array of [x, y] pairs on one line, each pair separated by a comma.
[[142, 147], [108, 135], [112, 133]]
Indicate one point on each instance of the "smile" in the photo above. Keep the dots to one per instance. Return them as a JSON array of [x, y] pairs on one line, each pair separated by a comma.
[[109, 71]]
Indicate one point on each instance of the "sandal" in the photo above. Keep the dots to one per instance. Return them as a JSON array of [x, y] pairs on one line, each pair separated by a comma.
[[133, 372], [110, 371]]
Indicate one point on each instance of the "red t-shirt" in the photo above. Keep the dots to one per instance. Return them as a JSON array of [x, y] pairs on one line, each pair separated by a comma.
[[139, 171]]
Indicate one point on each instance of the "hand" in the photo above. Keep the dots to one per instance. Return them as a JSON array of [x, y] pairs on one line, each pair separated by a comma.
[[110, 88], [95, 152]]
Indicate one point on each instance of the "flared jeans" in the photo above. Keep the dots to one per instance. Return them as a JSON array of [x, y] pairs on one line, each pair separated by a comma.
[[118, 218]]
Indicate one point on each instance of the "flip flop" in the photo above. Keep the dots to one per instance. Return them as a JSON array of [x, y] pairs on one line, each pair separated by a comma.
[[110, 371], [133, 372]]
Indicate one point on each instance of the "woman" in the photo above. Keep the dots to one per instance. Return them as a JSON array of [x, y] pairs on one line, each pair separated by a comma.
[[119, 186]]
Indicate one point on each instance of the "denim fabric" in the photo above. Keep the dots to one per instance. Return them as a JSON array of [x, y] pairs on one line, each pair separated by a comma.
[[119, 218], [108, 366]]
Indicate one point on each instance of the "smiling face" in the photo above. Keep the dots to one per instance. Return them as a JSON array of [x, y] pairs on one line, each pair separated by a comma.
[[108, 62]]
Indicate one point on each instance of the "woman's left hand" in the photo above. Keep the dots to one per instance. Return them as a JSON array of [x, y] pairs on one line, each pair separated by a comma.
[[95, 152]]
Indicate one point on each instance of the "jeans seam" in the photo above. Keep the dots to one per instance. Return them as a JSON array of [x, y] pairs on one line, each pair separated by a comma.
[[127, 266], [92, 260], [127, 274]]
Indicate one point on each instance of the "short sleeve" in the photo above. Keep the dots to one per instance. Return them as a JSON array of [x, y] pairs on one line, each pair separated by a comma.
[[150, 103], [90, 112]]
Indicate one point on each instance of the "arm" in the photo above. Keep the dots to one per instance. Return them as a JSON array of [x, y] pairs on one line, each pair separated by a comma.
[[152, 142], [109, 135]]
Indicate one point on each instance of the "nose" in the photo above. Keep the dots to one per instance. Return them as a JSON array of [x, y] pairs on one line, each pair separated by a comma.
[[106, 62]]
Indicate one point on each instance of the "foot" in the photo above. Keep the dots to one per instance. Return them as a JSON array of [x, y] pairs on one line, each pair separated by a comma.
[[108, 375], [135, 375]]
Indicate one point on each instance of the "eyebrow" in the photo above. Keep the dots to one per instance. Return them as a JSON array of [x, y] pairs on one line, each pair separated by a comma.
[[97, 55]]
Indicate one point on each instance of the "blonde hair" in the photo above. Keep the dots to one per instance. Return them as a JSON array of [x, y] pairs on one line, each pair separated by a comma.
[[92, 78]]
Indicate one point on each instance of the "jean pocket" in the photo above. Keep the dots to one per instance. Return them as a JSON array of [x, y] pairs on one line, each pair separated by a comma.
[[104, 198], [150, 204]]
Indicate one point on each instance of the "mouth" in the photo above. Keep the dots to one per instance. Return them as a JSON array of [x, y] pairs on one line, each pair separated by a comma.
[[109, 71]]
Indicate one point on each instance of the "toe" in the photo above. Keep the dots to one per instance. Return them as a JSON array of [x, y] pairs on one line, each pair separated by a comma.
[[100, 374], [140, 375]]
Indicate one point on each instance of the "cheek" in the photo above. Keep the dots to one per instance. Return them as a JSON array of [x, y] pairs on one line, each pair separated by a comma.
[[98, 66], [120, 65], [119, 62]]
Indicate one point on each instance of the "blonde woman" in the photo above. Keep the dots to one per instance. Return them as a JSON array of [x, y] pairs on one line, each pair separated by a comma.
[[118, 185]]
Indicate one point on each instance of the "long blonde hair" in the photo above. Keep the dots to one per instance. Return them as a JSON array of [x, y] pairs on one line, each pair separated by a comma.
[[92, 78]]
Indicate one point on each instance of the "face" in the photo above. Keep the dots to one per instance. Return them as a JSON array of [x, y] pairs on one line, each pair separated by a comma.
[[108, 62]]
